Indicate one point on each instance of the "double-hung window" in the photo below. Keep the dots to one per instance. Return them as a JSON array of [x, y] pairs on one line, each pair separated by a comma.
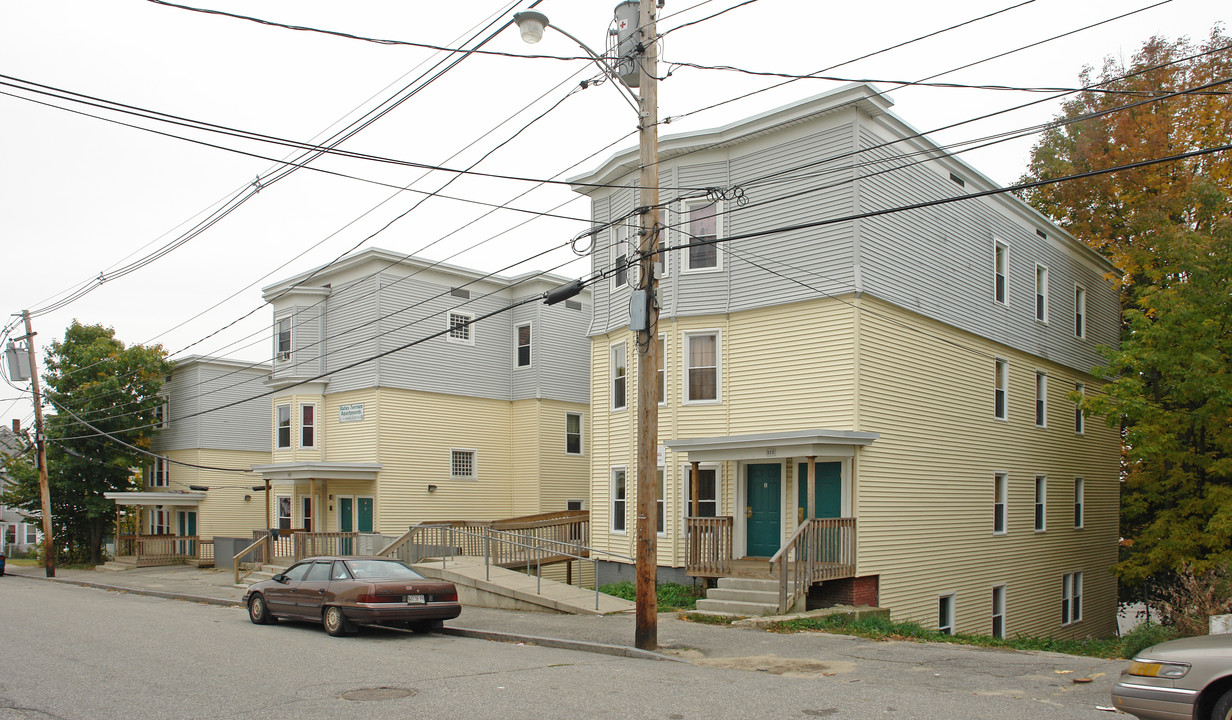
[[1001, 393], [162, 412], [1041, 399], [1080, 312], [462, 464], [1041, 293], [662, 374], [460, 328], [282, 339], [622, 248], [159, 473], [282, 428], [1079, 417], [573, 433], [620, 371], [1000, 493], [1071, 598], [1001, 261], [661, 507], [1041, 503], [1079, 502], [945, 614], [701, 371], [998, 611], [620, 500], [707, 491], [308, 426], [523, 348], [284, 512], [703, 228]]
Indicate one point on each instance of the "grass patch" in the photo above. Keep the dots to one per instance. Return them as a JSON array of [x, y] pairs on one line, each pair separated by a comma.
[[881, 628], [707, 619], [35, 562], [672, 596]]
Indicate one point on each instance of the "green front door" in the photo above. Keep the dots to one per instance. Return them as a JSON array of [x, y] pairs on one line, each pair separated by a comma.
[[829, 491], [364, 523], [762, 491], [188, 528], [346, 522]]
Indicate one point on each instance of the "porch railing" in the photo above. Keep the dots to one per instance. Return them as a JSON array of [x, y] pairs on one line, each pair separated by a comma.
[[708, 543], [306, 544], [156, 550], [260, 549], [205, 552], [820, 549], [284, 546]]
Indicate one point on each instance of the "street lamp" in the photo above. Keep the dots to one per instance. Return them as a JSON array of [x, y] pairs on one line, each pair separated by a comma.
[[641, 41]]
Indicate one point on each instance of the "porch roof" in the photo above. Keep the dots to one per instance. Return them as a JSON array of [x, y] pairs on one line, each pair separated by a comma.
[[293, 471], [791, 443], [155, 498]]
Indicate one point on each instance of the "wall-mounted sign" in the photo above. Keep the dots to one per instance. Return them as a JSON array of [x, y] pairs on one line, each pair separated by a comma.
[[351, 413]]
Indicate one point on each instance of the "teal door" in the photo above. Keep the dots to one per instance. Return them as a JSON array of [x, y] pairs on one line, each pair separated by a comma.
[[188, 528], [364, 522], [346, 522], [764, 525], [829, 491]]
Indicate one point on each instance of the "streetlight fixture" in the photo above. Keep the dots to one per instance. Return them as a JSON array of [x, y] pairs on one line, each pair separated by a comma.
[[636, 38]]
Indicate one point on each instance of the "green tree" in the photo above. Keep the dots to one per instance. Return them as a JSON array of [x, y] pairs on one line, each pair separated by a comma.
[[104, 398], [1168, 227]]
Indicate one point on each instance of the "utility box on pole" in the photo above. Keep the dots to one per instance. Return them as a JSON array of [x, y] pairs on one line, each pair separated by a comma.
[[18, 361], [626, 38]]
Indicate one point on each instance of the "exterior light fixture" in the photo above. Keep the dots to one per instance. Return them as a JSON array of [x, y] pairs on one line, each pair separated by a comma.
[[198, 488], [431, 488], [247, 497], [531, 24]]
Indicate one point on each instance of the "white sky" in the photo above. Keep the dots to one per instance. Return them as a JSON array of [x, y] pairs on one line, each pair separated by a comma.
[[79, 196]]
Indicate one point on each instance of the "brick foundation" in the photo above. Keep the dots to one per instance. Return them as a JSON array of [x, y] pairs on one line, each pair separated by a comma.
[[847, 591]]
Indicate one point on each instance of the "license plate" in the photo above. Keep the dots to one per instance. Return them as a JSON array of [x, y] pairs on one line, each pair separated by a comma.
[[414, 599]]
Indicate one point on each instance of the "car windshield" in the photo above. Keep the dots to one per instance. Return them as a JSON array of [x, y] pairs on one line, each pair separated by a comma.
[[372, 569]]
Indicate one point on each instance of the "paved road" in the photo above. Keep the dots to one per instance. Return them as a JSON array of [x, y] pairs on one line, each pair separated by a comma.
[[88, 653]]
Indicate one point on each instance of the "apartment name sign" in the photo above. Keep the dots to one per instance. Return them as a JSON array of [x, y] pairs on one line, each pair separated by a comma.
[[351, 413]]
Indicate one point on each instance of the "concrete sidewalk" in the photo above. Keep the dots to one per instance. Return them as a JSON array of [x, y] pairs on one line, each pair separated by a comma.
[[1050, 678]]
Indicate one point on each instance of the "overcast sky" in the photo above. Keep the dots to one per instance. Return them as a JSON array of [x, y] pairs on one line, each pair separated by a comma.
[[81, 196]]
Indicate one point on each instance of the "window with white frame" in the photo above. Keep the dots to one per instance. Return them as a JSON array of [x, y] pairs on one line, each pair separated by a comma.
[[1041, 503], [31, 533], [573, 433], [702, 223], [1041, 399], [1079, 416], [1071, 598], [305, 513], [662, 373], [160, 522], [622, 249], [162, 412], [620, 499], [1001, 261], [460, 325], [1001, 394], [661, 507], [1079, 502], [701, 367], [308, 425], [1080, 312], [283, 503], [661, 256], [523, 348], [945, 614], [160, 473], [462, 464], [282, 339], [620, 371], [1000, 500], [707, 490], [282, 426], [1041, 293], [998, 611]]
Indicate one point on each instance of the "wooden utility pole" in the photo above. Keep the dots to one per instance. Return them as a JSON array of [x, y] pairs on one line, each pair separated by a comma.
[[646, 633], [49, 547]]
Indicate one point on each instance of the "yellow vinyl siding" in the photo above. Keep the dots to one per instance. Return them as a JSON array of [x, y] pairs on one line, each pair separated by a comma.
[[526, 441], [223, 512], [355, 441], [925, 489], [561, 477], [295, 453]]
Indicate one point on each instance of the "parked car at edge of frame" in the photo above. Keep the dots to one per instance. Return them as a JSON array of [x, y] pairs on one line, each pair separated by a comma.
[[343, 593], [1186, 679]]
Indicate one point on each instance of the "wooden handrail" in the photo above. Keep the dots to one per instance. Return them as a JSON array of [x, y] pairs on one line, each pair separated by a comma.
[[265, 540], [823, 549]]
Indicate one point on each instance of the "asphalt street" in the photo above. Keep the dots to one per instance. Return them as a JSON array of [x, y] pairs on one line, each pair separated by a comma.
[[90, 653]]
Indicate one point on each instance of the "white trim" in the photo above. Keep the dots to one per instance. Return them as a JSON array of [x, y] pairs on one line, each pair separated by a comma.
[[622, 240], [1004, 272], [686, 338], [685, 236], [662, 359], [1080, 416], [1080, 311], [1001, 384], [316, 425], [281, 355], [517, 345], [1080, 503], [1041, 290], [474, 461], [611, 377], [951, 620], [290, 426], [1001, 499], [611, 501], [1041, 399], [994, 614], [581, 434], [467, 328], [1040, 491]]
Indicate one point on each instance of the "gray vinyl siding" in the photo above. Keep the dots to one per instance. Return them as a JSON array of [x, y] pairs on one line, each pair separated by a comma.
[[306, 339], [938, 261], [560, 353], [201, 387], [352, 335]]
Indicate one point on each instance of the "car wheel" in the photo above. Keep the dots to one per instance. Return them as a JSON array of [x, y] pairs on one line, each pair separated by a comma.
[[335, 623], [423, 627], [1223, 708], [258, 611]]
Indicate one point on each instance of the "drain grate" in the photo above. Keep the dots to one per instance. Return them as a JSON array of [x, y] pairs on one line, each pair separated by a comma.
[[377, 693]]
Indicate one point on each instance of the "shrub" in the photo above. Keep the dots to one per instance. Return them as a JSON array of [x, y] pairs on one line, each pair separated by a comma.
[[1144, 636], [1188, 603], [672, 596]]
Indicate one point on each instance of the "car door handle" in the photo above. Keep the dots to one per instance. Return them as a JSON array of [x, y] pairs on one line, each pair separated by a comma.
[[321, 591]]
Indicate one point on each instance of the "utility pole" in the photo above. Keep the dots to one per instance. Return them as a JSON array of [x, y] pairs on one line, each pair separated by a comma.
[[49, 547], [646, 632]]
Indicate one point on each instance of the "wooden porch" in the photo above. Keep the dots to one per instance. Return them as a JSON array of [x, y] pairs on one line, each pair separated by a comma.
[[157, 550]]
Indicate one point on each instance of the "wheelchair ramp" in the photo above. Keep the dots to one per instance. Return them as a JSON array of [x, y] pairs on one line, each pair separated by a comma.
[[497, 587]]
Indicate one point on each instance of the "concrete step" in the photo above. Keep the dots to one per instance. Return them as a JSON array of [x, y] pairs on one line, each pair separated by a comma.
[[736, 583], [762, 597], [115, 566], [735, 607]]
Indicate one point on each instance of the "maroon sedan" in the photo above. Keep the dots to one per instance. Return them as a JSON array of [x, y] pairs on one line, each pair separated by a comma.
[[344, 592]]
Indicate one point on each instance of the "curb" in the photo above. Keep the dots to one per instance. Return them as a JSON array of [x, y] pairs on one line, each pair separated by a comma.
[[492, 635]]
